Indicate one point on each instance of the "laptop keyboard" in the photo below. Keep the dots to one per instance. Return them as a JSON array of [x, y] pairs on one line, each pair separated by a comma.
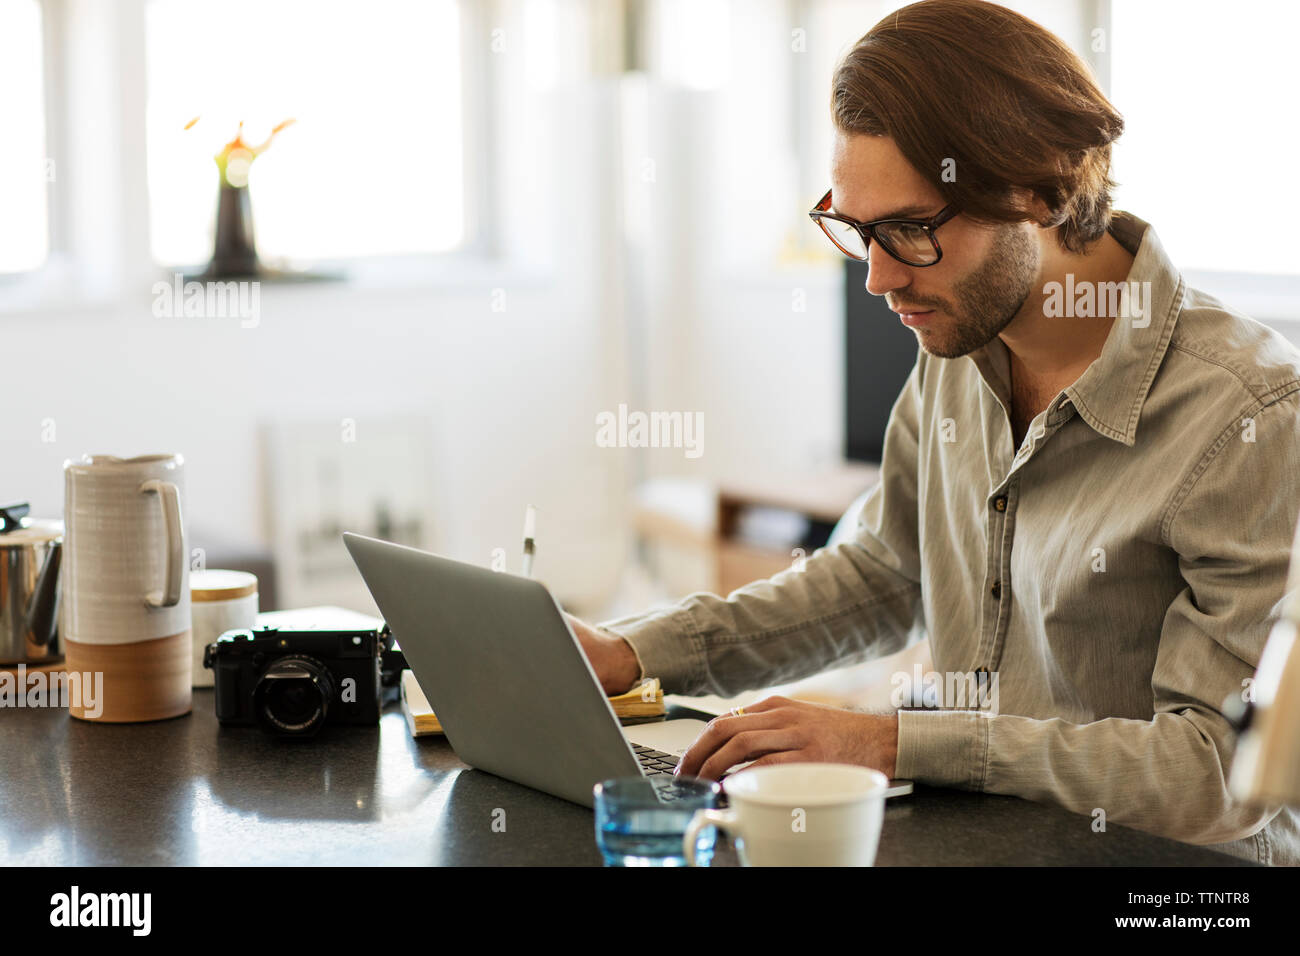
[[654, 762]]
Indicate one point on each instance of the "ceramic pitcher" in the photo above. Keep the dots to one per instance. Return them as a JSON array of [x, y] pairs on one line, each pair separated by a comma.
[[125, 612]]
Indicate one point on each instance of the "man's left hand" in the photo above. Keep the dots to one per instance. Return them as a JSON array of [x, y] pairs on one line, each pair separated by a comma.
[[781, 730]]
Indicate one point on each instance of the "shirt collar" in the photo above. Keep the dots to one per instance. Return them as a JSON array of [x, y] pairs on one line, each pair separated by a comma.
[[1110, 393]]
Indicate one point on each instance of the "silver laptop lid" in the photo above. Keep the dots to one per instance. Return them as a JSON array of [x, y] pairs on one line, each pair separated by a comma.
[[501, 668]]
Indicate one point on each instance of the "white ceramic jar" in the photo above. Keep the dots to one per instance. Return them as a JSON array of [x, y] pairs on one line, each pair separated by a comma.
[[221, 601]]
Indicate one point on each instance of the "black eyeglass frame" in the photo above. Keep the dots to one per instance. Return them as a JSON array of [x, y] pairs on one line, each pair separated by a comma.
[[867, 230]]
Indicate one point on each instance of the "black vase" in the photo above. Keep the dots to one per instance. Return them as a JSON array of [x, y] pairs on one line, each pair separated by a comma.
[[234, 252]]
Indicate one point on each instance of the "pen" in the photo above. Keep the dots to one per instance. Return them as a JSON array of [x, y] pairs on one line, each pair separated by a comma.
[[530, 545]]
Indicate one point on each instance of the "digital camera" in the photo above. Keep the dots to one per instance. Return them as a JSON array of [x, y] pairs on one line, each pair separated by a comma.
[[293, 681]]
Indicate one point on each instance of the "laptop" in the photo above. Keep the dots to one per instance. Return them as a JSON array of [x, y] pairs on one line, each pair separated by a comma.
[[507, 678], [506, 675]]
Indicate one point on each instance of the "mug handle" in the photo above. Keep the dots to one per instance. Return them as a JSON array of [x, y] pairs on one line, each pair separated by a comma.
[[722, 819], [169, 497]]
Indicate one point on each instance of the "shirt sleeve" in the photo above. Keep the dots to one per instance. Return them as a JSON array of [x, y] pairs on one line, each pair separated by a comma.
[[851, 602], [1232, 524]]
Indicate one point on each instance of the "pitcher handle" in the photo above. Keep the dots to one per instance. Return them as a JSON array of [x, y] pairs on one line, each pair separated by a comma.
[[169, 497]]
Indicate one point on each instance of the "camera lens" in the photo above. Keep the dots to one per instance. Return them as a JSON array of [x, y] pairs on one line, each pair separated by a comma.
[[293, 696]]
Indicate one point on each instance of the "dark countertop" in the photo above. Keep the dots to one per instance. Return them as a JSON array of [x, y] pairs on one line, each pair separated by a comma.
[[187, 791]]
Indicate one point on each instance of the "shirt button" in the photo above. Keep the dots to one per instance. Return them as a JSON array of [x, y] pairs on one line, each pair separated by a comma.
[[1000, 503], [996, 590]]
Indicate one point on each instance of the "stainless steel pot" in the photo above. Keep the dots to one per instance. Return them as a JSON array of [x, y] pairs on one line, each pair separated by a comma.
[[30, 552]]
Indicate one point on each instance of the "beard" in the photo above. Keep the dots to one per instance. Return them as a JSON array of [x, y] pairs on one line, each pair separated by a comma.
[[985, 300]]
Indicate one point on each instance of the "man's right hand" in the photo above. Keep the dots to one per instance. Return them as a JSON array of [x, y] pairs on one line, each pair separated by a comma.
[[611, 657]]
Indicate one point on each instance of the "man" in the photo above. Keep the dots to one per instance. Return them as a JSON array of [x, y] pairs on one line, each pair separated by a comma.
[[1090, 481]]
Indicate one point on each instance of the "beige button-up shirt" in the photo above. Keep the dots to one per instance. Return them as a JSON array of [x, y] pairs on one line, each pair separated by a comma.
[[1116, 576]]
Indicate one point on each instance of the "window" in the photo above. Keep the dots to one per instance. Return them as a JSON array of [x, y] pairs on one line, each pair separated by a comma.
[[1209, 131], [25, 167], [374, 162]]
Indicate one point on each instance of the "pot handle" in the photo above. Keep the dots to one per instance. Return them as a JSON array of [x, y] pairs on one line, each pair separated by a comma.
[[169, 497], [41, 619]]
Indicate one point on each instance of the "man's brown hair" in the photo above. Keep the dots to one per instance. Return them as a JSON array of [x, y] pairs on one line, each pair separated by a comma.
[[977, 88]]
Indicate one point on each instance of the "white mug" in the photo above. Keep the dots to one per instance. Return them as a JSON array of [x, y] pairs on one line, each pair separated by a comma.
[[799, 814]]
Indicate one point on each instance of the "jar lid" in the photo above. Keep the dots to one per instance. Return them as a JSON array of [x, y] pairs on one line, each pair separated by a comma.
[[214, 585], [33, 531]]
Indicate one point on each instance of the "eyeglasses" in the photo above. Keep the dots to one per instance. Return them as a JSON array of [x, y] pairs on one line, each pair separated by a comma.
[[910, 241]]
